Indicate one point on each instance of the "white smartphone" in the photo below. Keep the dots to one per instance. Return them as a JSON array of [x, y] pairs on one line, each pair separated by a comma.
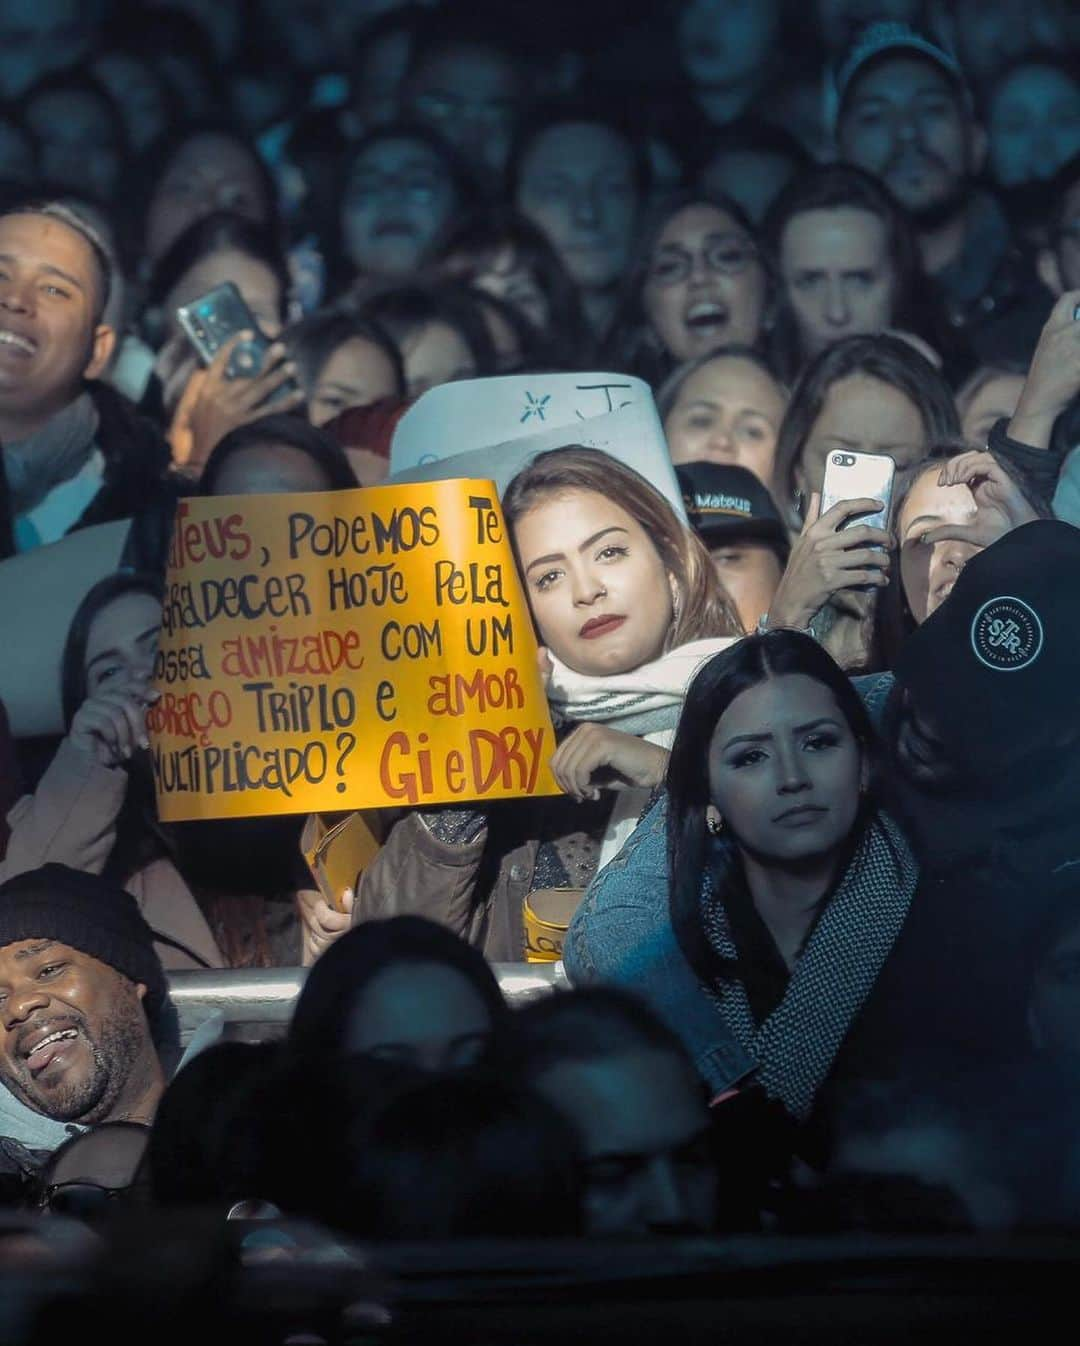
[[859, 476]]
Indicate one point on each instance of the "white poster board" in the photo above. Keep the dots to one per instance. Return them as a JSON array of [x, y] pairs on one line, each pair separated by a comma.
[[490, 428], [39, 593]]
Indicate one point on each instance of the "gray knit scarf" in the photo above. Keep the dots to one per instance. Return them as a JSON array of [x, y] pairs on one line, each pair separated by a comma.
[[53, 454], [796, 1045]]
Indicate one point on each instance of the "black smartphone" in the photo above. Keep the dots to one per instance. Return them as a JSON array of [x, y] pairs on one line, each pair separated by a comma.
[[212, 321]]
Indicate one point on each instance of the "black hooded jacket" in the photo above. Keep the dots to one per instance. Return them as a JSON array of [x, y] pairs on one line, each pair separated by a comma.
[[136, 464]]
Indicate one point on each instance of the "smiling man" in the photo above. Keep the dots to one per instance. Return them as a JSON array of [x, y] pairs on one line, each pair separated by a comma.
[[74, 451], [82, 998]]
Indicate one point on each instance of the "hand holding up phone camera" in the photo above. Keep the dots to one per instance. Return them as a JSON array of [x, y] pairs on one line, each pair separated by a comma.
[[216, 401], [833, 552]]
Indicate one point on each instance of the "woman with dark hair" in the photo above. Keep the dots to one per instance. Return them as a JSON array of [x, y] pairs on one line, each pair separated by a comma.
[[202, 405], [875, 394], [402, 187], [234, 242], [506, 255], [697, 280], [403, 990], [848, 264], [439, 330], [756, 906], [94, 806], [342, 361], [274, 455], [626, 604], [936, 524]]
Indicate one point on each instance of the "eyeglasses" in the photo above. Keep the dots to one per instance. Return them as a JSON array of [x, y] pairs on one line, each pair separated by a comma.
[[79, 1199], [723, 256]]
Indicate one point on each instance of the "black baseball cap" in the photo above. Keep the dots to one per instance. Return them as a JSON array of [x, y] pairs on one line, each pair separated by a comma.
[[997, 667], [726, 504]]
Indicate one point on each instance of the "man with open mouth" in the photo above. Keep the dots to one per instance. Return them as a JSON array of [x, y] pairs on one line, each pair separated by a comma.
[[83, 1000]]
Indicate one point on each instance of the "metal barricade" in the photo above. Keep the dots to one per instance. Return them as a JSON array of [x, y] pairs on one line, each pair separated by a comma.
[[257, 999]]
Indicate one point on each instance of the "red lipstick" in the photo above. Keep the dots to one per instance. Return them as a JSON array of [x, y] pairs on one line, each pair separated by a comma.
[[601, 626]]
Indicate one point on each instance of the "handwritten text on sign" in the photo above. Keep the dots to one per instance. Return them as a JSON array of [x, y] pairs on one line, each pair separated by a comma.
[[348, 650]]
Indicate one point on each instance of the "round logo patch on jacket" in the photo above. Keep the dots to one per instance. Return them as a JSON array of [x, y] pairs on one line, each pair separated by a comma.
[[1006, 634]]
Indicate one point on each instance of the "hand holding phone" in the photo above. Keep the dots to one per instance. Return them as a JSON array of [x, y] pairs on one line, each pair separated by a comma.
[[840, 548], [221, 316]]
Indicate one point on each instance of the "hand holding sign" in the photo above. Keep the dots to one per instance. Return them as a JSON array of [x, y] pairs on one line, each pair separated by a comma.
[[595, 754], [111, 724]]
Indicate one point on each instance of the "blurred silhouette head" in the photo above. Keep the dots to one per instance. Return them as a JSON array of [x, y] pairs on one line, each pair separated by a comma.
[[625, 1084]]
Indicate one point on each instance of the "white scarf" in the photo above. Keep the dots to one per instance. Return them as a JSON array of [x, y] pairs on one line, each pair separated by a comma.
[[646, 702]]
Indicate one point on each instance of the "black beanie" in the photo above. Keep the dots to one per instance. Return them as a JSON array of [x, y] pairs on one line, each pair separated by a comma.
[[90, 914]]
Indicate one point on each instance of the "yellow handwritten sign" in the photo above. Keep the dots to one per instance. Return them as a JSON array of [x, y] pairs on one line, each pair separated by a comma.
[[355, 649]]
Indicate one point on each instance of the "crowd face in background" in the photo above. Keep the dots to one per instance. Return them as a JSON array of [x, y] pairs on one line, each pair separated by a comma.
[[399, 198], [256, 282], [904, 121], [577, 183], [469, 94], [79, 139], [928, 570], [724, 50], [357, 374], [1033, 124], [425, 1015], [996, 398], [866, 414], [36, 41], [207, 173], [837, 274], [727, 411], [705, 286], [645, 1141], [750, 573]]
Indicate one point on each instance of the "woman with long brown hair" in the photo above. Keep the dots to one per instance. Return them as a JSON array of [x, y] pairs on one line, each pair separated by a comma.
[[626, 606]]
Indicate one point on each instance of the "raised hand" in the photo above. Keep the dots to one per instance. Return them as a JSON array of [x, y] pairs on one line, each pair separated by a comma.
[[827, 559]]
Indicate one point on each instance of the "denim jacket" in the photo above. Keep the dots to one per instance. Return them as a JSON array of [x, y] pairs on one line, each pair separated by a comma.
[[621, 934]]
